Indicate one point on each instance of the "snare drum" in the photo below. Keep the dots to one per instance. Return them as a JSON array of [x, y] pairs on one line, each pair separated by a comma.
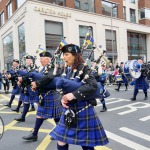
[[119, 78]]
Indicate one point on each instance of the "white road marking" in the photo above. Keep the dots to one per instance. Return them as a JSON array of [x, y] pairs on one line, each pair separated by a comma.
[[126, 142], [136, 133], [132, 107], [116, 101], [145, 118]]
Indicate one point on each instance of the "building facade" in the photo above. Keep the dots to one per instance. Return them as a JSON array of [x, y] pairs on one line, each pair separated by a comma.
[[122, 27]]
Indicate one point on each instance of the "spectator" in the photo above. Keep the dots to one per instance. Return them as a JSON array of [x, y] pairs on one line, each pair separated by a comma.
[[117, 66], [5, 81], [110, 73], [116, 72]]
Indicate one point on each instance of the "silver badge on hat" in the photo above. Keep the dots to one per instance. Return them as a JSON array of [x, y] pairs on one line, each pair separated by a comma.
[[69, 49]]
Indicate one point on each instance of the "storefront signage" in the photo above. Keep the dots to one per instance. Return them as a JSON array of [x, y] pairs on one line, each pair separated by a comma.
[[52, 11]]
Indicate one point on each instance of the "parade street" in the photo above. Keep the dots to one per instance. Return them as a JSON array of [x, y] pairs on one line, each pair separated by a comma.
[[126, 122]]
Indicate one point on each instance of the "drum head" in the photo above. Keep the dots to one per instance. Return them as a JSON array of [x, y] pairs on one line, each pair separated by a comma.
[[135, 69]]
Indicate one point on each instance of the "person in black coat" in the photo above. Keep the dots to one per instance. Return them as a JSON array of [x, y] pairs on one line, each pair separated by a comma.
[[142, 82], [5, 82], [124, 78]]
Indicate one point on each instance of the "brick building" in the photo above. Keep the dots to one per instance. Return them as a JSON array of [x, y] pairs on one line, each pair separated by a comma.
[[120, 26]]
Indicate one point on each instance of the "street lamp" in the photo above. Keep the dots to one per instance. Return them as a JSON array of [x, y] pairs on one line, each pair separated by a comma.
[[115, 6]]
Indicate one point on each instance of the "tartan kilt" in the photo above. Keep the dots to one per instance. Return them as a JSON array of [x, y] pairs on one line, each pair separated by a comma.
[[88, 130], [52, 106], [31, 97], [15, 90], [22, 96], [141, 83]]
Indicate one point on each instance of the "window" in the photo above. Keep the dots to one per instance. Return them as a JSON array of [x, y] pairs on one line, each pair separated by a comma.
[[77, 4], [53, 34], [109, 9], [145, 13], [83, 30], [9, 10], [86, 5], [111, 41], [21, 40], [2, 19], [136, 45], [8, 50], [58, 2], [132, 1], [132, 15], [20, 2]]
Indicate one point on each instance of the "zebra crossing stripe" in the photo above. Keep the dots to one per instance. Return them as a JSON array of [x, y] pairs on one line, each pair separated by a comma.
[[145, 118], [136, 133], [126, 142]]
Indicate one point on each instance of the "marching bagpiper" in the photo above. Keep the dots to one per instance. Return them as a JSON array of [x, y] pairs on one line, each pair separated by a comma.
[[12, 75], [27, 96], [85, 128], [123, 76], [49, 105]]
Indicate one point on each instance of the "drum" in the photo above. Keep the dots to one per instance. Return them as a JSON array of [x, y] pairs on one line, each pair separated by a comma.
[[119, 78], [135, 69]]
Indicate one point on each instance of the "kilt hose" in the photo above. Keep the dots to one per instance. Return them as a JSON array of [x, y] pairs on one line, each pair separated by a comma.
[[141, 83], [88, 130], [52, 106]]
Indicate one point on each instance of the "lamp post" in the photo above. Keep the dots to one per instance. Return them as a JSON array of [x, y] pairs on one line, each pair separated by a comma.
[[116, 5]]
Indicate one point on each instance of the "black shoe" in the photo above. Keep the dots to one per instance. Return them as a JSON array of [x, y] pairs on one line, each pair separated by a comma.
[[8, 105], [103, 110], [126, 89], [15, 110], [117, 90], [30, 137], [32, 109], [133, 99], [52, 138], [20, 119], [145, 98]]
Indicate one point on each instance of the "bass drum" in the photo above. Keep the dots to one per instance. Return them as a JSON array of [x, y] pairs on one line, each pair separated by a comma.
[[135, 69]]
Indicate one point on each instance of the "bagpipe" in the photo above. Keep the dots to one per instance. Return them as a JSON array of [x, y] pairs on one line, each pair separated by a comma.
[[55, 60], [69, 85]]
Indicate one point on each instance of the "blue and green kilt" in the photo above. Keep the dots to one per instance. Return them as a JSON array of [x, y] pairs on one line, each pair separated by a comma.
[[141, 83], [52, 106], [15, 90], [31, 97], [34, 95], [88, 130]]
